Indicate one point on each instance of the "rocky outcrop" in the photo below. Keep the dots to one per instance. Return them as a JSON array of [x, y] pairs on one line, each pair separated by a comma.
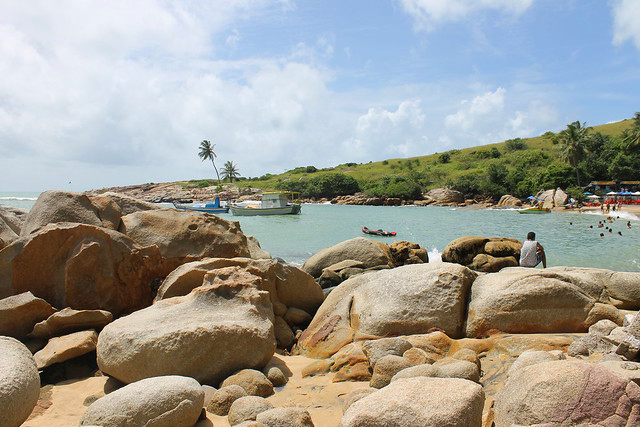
[[222, 399], [255, 251], [60, 206], [406, 300], [70, 320], [552, 198], [11, 220], [19, 382], [487, 254], [567, 393], [19, 313], [185, 236], [128, 204], [247, 409], [509, 201], [285, 417], [521, 300], [60, 349], [369, 252], [255, 383], [363, 199], [169, 401], [445, 196], [82, 267], [419, 402], [209, 334], [286, 284], [404, 253]]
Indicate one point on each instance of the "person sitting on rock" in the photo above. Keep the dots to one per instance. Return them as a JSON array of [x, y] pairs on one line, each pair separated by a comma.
[[532, 252]]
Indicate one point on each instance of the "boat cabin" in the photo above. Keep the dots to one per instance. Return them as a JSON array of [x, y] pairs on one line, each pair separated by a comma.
[[275, 200]]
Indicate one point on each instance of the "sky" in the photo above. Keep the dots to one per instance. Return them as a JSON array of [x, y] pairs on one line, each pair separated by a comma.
[[96, 94]]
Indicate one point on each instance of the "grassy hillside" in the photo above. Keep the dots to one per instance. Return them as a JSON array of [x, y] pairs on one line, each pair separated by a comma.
[[512, 161]]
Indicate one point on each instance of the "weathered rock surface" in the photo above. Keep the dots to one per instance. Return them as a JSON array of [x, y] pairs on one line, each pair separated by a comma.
[[19, 382], [247, 409], [275, 375], [402, 301], [209, 334], [11, 220], [445, 195], [285, 417], [129, 204], [419, 402], [255, 383], [168, 401], [404, 253], [82, 267], [531, 357], [371, 253], [521, 300], [487, 254], [60, 349], [222, 399], [377, 349], [20, 312], [286, 284], [60, 206], [186, 236], [70, 320], [509, 200], [255, 251], [567, 393]]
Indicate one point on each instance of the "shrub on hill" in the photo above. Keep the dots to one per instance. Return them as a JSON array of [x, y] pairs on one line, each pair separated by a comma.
[[515, 144], [394, 186], [329, 186]]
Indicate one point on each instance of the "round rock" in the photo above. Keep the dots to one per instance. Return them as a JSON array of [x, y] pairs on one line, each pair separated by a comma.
[[19, 382]]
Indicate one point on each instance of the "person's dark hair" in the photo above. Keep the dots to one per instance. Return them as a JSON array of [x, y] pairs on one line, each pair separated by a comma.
[[531, 235]]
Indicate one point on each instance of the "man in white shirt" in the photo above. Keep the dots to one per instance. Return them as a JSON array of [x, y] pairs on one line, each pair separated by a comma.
[[532, 252]]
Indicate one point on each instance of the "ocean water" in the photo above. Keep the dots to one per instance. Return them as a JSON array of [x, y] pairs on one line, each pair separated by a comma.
[[566, 237]]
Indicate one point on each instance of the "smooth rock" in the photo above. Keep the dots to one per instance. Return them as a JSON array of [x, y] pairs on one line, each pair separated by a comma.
[[285, 417], [165, 401], [19, 382], [247, 409], [369, 252], [376, 349], [355, 395], [255, 251], [602, 327], [60, 349], [284, 335], [445, 195], [130, 204], [566, 393], [406, 300], [254, 382], [208, 335], [531, 357], [222, 399], [82, 267], [70, 320], [295, 316], [443, 402], [386, 368], [19, 313], [275, 376]]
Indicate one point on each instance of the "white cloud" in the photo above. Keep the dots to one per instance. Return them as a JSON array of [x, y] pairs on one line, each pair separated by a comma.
[[626, 21], [427, 14], [487, 104]]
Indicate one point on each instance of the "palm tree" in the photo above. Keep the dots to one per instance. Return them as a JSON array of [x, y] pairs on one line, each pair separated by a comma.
[[207, 153], [631, 137], [230, 171], [574, 139]]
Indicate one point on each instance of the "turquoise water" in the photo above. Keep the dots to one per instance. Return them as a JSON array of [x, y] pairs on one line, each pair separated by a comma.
[[296, 237]]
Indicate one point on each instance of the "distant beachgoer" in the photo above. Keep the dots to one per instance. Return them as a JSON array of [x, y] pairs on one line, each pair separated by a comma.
[[532, 252], [611, 230], [629, 225], [619, 233], [600, 224], [602, 235], [570, 223], [591, 226], [602, 208]]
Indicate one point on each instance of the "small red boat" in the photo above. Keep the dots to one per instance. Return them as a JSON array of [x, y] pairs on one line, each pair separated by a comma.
[[365, 230]]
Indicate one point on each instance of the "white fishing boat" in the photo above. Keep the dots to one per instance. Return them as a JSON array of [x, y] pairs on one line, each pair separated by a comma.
[[270, 204]]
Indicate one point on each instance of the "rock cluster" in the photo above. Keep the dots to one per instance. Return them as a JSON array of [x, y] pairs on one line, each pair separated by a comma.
[[487, 254], [363, 199]]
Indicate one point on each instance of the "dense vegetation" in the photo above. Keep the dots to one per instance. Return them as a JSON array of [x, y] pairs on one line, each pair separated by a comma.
[[521, 167]]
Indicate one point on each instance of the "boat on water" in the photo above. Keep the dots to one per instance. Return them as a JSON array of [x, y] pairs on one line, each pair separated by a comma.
[[213, 207], [534, 210], [270, 204], [378, 232]]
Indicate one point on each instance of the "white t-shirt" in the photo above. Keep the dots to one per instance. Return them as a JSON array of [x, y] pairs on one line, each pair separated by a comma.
[[528, 253]]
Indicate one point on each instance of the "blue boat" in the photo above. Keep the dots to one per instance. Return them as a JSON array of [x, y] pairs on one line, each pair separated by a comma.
[[213, 207]]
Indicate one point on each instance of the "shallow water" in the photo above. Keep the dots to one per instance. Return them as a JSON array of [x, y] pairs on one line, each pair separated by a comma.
[[296, 237]]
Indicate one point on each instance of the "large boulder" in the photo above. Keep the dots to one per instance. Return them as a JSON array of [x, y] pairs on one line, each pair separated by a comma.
[[446, 195], [285, 283], [60, 206], [509, 201], [370, 252], [546, 198], [129, 204], [419, 401], [567, 393], [487, 254], [168, 401], [11, 220], [69, 320], [404, 253], [61, 349], [19, 382], [209, 334], [82, 267], [186, 236], [523, 300], [402, 301], [19, 313]]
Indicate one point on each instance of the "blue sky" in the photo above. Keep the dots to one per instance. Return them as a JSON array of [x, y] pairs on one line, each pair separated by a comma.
[[115, 93]]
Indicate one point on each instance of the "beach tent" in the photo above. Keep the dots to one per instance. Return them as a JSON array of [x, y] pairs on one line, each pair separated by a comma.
[[593, 196], [586, 193], [612, 193]]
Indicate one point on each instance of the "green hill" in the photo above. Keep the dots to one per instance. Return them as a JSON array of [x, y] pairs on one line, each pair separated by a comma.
[[518, 166]]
